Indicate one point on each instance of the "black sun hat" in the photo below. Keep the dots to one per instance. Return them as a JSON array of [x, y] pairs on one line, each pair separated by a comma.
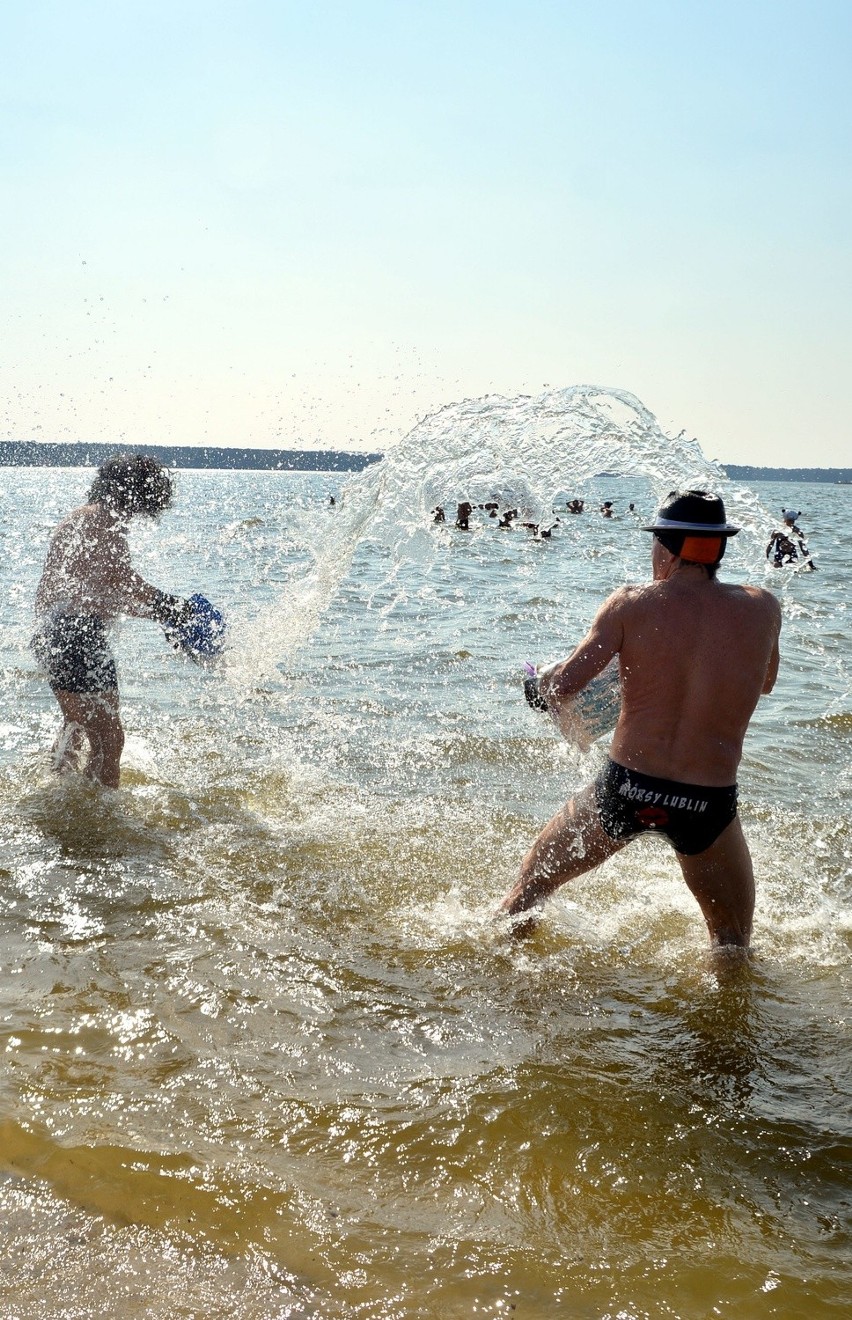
[[692, 511]]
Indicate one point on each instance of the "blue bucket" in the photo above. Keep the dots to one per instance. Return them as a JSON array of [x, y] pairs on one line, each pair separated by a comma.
[[203, 635]]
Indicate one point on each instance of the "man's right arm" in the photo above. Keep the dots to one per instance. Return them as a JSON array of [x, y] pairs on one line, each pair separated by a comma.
[[563, 680]]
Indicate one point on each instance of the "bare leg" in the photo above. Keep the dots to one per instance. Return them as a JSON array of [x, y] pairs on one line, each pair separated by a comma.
[[722, 880], [570, 844], [97, 717]]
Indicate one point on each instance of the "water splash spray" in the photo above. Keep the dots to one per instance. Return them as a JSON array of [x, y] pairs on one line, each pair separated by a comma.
[[522, 452]]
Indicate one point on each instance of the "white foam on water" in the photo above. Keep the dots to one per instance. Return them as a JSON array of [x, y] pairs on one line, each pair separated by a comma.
[[138, 755], [273, 952], [528, 452]]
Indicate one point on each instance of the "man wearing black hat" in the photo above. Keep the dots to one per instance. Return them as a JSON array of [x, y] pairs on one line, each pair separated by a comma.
[[695, 655]]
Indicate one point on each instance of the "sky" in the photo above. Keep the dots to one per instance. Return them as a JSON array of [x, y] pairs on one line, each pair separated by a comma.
[[293, 224]]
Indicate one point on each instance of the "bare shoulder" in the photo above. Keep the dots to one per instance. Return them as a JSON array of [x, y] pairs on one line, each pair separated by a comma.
[[755, 608], [68, 528], [624, 597], [80, 519], [616, 615], [631, 602], [101, 524], [758, 597]]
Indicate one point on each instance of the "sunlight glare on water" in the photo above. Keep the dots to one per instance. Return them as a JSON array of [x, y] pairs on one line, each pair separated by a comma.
[[266, 1051]]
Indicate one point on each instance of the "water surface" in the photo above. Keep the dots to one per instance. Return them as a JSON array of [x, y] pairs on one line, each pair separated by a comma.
[[266, 1053]]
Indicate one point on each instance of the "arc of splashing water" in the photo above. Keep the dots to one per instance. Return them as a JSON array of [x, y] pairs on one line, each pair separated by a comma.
[[530, 445]]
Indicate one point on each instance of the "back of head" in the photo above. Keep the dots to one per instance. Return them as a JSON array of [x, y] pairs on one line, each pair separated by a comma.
[[692, 525], [130, 484]]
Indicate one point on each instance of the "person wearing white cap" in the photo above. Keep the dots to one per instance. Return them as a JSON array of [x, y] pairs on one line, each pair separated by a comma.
[[694, 656], [788, 542]]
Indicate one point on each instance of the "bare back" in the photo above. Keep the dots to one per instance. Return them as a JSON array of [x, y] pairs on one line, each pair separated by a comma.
[[695, 656], [87, 570]]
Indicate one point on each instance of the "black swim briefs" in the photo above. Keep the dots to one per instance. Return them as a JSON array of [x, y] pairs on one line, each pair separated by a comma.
[[691, 816], [74, 650]]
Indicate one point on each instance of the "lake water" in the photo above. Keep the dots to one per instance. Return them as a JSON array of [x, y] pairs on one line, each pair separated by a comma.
[[266, 1053]]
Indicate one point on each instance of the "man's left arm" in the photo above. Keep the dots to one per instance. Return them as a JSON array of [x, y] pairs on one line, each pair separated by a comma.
[[137, 598], [775, 653]]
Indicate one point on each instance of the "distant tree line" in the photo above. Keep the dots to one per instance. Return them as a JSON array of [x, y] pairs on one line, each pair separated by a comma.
[[740, 472], [39, 453], [81, 453]]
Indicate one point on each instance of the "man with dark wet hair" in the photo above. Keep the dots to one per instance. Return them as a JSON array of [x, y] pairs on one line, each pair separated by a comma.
[[695, 655], [86, 583], [131, 484]]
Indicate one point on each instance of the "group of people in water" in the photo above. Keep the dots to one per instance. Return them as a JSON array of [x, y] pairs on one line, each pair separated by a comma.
[[509, 517], [694, 656], [787, 545]]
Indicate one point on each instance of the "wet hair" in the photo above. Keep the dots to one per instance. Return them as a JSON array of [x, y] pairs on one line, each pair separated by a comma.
[[131, 484]]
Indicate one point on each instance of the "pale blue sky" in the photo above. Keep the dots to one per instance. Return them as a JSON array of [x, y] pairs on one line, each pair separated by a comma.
[[277, 224]]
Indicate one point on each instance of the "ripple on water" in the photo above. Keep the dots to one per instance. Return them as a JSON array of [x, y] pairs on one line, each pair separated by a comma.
[[267, 1053]]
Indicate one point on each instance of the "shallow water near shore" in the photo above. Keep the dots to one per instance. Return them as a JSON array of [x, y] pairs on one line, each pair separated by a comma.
[[265, 1050]]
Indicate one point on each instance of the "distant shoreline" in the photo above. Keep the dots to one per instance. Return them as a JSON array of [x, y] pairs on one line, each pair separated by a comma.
[[38, 453], [78, 453], [831, 476]]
